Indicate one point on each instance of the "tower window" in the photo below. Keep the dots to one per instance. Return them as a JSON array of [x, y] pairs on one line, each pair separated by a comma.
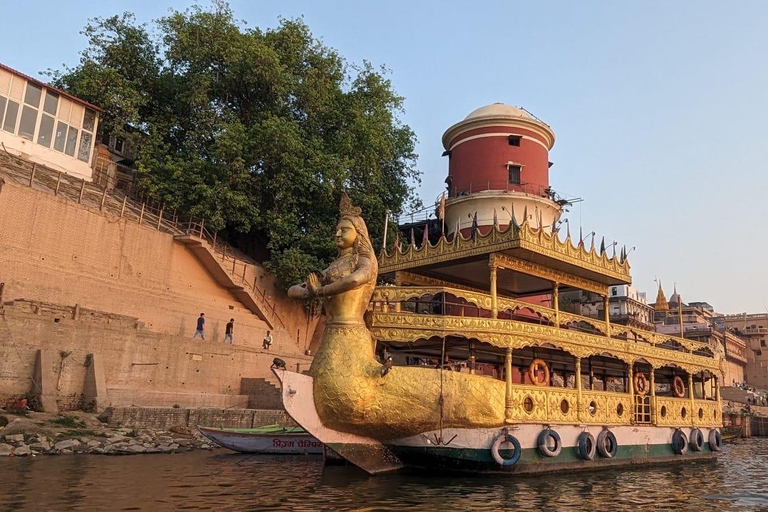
[[514, 140], [514, 174]]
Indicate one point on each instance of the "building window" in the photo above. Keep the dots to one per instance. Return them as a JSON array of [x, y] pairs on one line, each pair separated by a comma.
[[51, 103], [69, 149], [514, 140], [514, 174], [119, 142], [61, 137], [33, 95], [11, 114], [762, 343], [614, 292], [45, 134], [28, 122]]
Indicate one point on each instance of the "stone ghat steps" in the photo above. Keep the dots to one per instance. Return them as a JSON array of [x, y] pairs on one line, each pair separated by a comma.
[[117, 203]]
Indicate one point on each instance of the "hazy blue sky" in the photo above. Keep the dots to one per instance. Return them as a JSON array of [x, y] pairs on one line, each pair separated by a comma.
[[659, 108]]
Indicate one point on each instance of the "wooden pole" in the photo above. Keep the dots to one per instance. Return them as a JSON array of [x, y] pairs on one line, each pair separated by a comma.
[[653, 396], [556, 302], [508, 378], [32, 176], [386, 226], [579, 406], [103, 198], [82, 192], [122, 210], [141, 215], [160, 217], [631, 393], [202, 226], [58, 184], [494, 300], [693, 399]]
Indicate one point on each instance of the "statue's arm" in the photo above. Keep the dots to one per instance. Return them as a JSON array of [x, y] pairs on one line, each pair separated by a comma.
[[364, 273], [298, 291]]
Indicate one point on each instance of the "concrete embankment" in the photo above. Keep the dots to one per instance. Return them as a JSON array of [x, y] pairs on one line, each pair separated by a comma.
[[129, 430]]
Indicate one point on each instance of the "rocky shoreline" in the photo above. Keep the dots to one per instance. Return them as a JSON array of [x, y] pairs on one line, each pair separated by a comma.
[[32, 434]]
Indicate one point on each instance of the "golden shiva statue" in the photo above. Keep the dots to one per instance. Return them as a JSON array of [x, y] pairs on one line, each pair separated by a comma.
[[350, 393]]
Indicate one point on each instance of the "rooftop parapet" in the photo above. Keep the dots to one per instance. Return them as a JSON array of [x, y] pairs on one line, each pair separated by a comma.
[[522, 241]]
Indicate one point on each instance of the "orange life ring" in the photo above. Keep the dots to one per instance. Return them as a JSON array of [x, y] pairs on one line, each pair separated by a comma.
[[641, 384], [678, 387], [535, 365]]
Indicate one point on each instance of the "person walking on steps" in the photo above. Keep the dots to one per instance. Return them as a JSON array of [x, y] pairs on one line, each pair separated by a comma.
[[228, 332], [200, 327], [267, 342]]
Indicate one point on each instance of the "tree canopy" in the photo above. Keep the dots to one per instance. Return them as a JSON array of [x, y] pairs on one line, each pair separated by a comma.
[[256, 131]]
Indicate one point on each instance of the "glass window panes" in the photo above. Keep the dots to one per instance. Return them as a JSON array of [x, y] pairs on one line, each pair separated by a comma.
[[71, 142], [51, 102], [10, 116], [89, 119], [33, 94], [46, 131], [85, 146], [61, 136], [3, 101], [28, 122]]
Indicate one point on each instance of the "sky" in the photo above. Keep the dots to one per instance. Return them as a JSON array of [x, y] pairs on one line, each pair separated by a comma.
[[658, 108]]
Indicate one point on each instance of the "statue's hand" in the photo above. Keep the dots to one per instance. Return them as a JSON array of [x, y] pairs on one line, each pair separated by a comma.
[[313, 284]]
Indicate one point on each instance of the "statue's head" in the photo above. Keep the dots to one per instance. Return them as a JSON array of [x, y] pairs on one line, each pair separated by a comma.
[[351, 230]]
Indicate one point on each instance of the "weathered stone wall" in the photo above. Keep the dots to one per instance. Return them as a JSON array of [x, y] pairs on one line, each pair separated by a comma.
[[57, 251], [140, 367], [165, 418]]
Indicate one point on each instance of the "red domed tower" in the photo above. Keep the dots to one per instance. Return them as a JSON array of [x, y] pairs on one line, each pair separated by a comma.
[[499, 161]]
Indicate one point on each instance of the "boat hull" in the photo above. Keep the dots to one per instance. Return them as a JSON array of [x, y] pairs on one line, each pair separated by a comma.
[[470, 450], [273, 443]]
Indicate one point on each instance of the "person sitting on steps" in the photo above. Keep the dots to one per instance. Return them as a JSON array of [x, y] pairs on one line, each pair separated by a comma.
[[267, 342]]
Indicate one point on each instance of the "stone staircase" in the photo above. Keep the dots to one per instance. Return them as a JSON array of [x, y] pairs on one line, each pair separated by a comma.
[[262, 394], [233, 270]]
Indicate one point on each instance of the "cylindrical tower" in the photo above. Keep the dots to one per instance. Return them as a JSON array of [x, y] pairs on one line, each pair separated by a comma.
[[499, 160]]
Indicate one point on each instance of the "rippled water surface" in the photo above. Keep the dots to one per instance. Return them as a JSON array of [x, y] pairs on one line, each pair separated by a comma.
[[224, 481]]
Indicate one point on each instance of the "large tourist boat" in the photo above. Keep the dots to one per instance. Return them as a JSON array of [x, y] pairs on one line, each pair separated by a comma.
[[466, 361]]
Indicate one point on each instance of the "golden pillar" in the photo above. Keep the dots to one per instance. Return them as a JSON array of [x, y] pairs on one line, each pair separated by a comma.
[[508, 377], [472, 358], [653, 396], [718, 397], [556, 303], [579, 406], [691, 394], [494, 305], [607, 316], [633, 407]]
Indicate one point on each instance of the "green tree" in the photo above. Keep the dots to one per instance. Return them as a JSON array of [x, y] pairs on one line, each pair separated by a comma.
[[258, 132]]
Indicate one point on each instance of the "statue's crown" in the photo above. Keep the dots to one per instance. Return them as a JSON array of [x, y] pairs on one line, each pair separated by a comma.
[[346, 208]]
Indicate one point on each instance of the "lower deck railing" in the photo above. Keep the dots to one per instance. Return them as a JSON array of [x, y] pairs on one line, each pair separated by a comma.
[[533, 404]]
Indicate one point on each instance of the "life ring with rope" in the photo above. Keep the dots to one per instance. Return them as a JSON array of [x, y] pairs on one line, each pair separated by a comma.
[[678, 387], [536, 365], [641, 384], [496, 446]]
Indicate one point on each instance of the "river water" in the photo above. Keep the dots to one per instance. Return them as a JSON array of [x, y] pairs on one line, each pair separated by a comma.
[[222, 480]]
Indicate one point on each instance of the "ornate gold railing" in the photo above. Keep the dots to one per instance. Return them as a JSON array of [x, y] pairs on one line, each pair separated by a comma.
[[552, 405], [683, 411], [385, 299], [606, 408], [500, 238]]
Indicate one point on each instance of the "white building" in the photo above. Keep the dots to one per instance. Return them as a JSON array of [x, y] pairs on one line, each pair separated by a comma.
[[45, 125]]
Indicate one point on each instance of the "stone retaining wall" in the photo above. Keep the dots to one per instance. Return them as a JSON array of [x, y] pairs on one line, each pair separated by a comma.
[[164, 418]]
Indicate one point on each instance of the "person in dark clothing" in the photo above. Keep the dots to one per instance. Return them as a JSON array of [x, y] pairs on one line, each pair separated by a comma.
[[229, 331], [200, 327]]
